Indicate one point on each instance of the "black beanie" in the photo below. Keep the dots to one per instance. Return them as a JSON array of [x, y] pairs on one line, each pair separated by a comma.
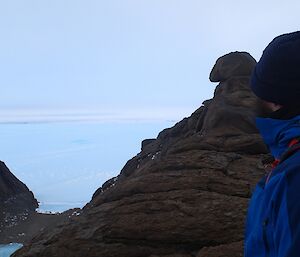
[[276, 77]]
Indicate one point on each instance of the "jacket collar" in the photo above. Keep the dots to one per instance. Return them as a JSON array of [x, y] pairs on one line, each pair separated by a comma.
[[277, 133]]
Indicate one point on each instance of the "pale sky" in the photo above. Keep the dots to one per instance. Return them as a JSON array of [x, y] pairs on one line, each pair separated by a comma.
[[126, 55]]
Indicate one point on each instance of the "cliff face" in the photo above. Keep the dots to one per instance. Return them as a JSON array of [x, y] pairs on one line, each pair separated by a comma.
[[185, 194], [16, 201]]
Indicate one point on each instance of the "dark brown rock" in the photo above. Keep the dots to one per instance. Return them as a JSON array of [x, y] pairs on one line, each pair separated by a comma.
[[231, 65], [32, 223], [227, 250], [147, 142], [185, 194], [16, 201], [13, 191]]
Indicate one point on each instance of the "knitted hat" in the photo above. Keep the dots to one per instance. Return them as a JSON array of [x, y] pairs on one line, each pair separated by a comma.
[[276, 77]]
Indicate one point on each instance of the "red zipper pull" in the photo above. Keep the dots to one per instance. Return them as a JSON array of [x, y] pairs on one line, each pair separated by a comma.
[[275, 163]]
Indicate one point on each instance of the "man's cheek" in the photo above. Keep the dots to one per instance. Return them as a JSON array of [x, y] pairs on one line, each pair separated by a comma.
[[262, 109]]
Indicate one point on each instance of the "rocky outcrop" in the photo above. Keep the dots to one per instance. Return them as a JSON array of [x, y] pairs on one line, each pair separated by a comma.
[[185, 194], [19, 221], [16, 201]]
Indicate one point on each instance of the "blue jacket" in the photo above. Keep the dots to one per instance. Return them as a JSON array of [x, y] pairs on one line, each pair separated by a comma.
[[273, 220]]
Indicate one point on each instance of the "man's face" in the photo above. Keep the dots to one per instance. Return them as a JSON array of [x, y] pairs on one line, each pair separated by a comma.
[[264, 108]]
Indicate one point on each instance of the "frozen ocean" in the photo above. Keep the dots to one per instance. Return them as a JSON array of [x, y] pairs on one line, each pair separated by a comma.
[[63, 163]]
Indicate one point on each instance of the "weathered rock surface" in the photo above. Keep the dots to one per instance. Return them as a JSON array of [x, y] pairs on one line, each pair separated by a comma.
[[14, 192], [232, 64], [29, 224], [16, 201], [185, 194]]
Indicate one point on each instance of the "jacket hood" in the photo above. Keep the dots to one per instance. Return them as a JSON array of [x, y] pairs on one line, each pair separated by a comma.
[[278, 133]]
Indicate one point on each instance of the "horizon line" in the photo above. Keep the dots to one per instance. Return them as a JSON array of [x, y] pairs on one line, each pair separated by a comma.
[[34, 116]]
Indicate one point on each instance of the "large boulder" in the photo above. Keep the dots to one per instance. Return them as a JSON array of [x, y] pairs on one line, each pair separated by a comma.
[[185, 194]]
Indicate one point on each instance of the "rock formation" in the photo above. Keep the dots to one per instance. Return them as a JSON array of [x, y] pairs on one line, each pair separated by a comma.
[[16, 201], [185, 194]]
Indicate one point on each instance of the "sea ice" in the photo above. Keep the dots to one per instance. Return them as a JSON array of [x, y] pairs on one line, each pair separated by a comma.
[[8, 249]]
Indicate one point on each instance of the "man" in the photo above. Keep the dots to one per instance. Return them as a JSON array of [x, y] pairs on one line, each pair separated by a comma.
[[273, 220]]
